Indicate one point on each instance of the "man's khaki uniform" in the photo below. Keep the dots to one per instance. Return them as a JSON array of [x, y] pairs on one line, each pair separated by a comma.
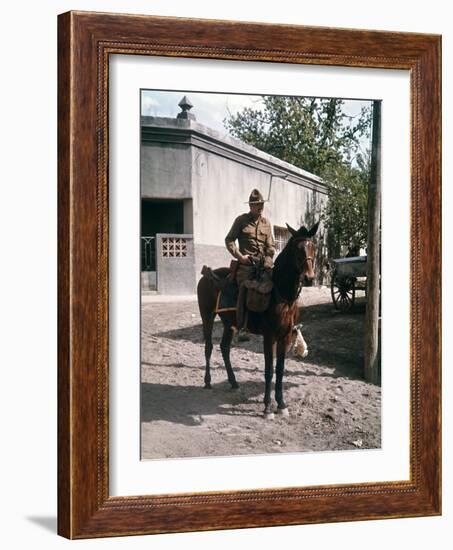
[[255, 239]]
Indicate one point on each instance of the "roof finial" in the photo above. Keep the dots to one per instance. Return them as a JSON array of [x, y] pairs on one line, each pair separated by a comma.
[[185, 105]]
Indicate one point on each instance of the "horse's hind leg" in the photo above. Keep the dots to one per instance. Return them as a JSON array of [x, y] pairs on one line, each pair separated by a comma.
[[225, 346], [208, 323]]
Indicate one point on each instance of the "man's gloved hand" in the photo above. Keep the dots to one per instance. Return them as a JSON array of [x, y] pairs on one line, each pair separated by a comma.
[[268, 262], [245, 259]]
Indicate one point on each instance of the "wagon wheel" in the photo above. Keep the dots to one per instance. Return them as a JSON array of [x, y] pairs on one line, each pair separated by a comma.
[[343, 292]]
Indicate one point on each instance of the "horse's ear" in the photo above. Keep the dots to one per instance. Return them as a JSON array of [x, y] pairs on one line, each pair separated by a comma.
[[313, 230], [291, 230]]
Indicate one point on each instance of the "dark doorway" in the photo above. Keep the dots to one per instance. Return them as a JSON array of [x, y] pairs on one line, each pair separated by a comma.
[[162, 217], [158, 216]]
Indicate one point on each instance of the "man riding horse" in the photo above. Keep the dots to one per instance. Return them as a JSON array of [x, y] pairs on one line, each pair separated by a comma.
[[255, 248], [277, 321]]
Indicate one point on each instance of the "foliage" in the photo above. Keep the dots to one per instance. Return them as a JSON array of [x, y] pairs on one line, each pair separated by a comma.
[[345, 214], [317, 135]]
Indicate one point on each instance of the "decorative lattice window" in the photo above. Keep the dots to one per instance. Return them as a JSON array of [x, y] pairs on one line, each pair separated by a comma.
[[281, 237], [173, 247]]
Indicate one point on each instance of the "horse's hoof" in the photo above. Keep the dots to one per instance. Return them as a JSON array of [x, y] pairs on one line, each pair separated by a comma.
[[283, 412], [268, 415], [208, 387], [234, 386]]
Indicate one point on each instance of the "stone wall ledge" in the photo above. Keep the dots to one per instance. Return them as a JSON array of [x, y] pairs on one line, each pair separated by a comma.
[[188, 132]]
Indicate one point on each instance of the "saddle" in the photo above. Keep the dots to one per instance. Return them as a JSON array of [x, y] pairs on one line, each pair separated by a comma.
[[259, 292], [221, 283], [227, 288]]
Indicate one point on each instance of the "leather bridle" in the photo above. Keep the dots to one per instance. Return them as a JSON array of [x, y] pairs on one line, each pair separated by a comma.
[[311, 258]]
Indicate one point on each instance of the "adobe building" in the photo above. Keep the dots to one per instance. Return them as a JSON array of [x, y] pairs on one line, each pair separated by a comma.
[[194, 182]]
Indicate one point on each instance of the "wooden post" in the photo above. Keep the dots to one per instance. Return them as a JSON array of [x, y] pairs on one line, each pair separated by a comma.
[[373, 253]]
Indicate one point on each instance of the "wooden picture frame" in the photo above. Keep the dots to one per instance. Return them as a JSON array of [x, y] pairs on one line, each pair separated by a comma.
[[85, 41]]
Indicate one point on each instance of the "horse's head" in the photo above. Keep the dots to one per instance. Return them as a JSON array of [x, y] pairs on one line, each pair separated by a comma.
[[303, 252]]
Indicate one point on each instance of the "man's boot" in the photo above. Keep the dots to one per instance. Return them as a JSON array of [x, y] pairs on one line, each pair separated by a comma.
[[241, 316]]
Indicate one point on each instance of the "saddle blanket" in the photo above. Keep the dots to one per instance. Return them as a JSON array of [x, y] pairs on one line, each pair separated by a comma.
[[227, 298]]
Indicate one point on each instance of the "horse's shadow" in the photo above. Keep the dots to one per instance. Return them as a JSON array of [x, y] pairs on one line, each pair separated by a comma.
[[193, 334], [254, 367], [189, 405]]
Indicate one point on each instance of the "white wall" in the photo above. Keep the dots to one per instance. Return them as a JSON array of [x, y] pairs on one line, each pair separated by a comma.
[[221, 189], [165, 171], [28, 289]]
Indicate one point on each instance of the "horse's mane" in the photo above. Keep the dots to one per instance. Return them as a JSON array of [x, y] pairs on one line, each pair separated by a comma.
[[285, 274], [283, 259]]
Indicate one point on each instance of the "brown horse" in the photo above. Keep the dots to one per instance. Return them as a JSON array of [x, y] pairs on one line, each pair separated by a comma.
[[293, 269]]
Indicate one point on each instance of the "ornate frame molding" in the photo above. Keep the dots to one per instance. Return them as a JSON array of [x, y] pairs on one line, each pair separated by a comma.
[[86, 40]]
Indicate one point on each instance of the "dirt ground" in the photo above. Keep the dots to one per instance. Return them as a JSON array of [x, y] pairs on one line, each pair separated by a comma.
[[331, 406]]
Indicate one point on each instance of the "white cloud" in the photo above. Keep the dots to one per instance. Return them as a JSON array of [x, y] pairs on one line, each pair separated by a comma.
[[209, 109], [149, 104]]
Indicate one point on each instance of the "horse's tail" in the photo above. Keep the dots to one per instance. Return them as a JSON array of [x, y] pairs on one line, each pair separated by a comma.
[[207, 289], [207, 298]]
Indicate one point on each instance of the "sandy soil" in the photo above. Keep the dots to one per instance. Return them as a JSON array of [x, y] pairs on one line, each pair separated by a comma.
[[331, 406]]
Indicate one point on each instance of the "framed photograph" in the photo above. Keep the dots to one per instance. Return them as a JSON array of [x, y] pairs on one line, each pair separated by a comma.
[[249, 275]]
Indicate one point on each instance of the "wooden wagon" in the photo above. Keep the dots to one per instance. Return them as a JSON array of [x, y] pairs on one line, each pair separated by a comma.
[[348, 276]]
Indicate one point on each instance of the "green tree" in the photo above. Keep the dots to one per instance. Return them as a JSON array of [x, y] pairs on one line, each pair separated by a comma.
[[345, 214], [317, 135]]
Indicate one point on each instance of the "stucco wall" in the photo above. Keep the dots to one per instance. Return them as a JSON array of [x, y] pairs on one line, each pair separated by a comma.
[[166, 171], [221, 188], [175, 275], [212, 256]]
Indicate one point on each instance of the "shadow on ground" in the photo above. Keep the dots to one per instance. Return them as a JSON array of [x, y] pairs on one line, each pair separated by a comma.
[[188, 404], [335, 339]]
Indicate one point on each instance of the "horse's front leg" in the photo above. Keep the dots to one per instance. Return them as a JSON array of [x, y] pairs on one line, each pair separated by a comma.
[[268, 374], [225, 347], [279, 370]]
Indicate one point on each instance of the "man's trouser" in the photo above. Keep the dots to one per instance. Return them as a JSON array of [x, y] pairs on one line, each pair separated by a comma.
[[244, 273]]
